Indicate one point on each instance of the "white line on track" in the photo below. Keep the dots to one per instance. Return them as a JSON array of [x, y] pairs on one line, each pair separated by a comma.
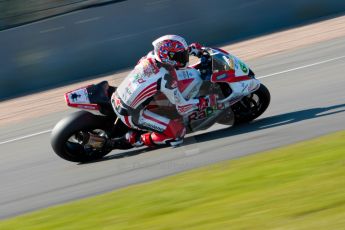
[[25, 137], [87, 20], [302, 67], [265, 76], [52, 29]]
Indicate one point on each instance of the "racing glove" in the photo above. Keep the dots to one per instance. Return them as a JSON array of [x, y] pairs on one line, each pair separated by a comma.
[[195, 49]]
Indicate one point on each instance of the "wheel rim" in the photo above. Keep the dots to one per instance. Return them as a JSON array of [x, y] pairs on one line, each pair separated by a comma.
[[249, 105]]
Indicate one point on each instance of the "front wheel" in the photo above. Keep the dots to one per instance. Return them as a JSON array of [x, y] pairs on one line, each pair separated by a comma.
[[251, 106], [66, 136]]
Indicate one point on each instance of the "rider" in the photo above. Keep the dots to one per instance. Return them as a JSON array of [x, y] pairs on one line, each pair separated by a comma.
[[156, 72]]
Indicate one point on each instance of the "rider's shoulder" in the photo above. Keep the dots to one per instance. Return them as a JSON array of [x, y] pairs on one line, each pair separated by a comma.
[[147, 65]]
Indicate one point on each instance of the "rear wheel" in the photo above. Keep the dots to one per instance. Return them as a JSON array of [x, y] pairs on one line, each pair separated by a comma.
[[251, 106], [68, 136]]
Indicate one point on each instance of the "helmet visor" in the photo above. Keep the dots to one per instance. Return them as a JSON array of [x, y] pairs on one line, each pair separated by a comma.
[[181, 57]]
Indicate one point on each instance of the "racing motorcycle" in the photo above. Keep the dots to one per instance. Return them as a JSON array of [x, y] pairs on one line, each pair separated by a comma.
[[85, 135]]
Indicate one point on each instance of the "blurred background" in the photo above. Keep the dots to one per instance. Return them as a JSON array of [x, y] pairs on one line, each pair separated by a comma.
[[80, 39], [17, 12]]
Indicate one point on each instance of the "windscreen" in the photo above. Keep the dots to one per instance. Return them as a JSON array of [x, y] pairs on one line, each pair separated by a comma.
[[221, 62]]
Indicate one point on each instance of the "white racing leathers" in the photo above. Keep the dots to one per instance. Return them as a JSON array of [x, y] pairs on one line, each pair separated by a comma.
[[133, 95]]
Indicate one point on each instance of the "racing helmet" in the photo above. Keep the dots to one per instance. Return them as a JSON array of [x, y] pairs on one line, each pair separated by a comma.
[[171, 50]]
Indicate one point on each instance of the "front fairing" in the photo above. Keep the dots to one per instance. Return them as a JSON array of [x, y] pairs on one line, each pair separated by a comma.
[[228, 69]]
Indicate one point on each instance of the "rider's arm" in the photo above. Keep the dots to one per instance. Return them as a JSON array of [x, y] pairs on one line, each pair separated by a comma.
[[183, 106], [195, 49], [169, 88]]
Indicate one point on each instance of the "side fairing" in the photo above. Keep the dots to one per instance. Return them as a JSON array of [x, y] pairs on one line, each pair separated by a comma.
[[241, 89], [239, 66]]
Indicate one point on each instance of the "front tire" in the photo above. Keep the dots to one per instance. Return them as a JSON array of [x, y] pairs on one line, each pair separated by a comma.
[[70, 126], [252, 106]]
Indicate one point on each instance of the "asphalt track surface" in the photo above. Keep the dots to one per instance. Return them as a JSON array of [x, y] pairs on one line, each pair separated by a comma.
[[308, 99]]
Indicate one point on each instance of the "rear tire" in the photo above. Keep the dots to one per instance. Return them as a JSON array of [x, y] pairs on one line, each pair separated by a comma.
[[252, 106], [71, 125]]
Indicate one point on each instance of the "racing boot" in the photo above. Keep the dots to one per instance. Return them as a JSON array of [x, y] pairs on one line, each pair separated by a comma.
[[154, 139], [135, 139], [127, 141]]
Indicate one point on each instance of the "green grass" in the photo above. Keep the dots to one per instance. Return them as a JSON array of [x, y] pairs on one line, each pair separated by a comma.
[[297, 187]]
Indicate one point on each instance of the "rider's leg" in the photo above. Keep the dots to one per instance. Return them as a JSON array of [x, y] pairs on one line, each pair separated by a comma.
[[164, 130]]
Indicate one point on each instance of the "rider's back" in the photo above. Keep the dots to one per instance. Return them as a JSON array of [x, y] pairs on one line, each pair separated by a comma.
[[141, 83]]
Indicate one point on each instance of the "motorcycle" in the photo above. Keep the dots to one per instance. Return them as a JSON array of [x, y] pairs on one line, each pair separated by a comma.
[[85, 136]]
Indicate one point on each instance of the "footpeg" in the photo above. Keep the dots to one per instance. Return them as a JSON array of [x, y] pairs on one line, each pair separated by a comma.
[[118, 143]]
